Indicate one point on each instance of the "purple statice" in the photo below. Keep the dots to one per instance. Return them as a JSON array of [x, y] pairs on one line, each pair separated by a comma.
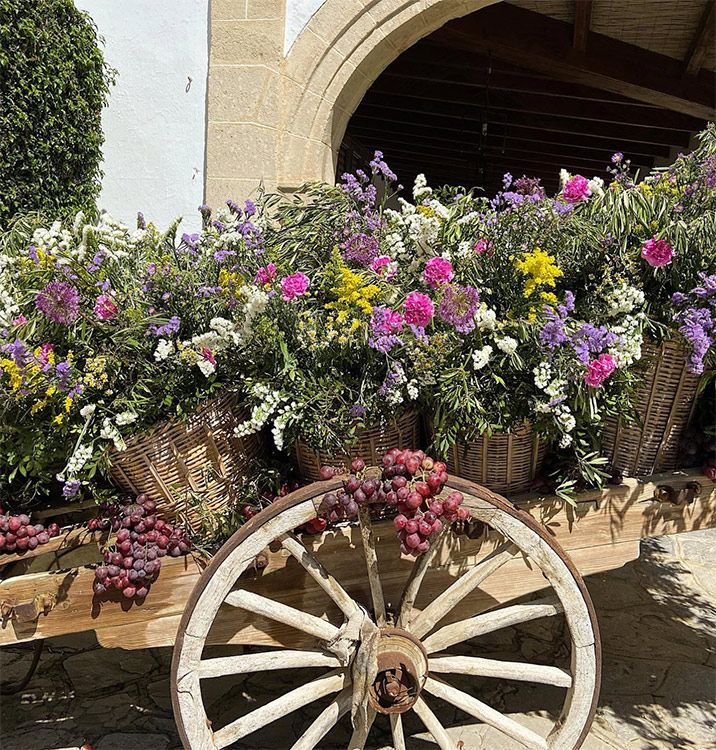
[[506, 180], [709, 171], [97, 261], [361, 249], [395, 375], [249, 208], [221, 256], [379, 166], [385, 324], [71, 488], [553, 333], [219, 226], [234, 207], [458, 307], [32, 254], [18, 352], [60, 302], [562, 209], [141, 221], [697, 326], [167, 329], [357, 411], [529, 186], [190, 240], [209, 291], [707, 290], [590, 339], [63, 371]]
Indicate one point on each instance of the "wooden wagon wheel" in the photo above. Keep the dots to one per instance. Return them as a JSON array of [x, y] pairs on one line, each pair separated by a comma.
[[376, 661]]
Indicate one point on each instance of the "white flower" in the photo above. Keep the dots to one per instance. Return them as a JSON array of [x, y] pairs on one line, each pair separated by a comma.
[[543, 375], [565, 418], [564, 175], [481, 357], [420, 188], [485, 318], [77, 460], [565, 441], [623, 300], [596, 185], [412, 389], [86, 412], [164, 349], [507, 344], [207, 368], [464, 249], [394, 397], [110, 432], [126, 417], [268, 402]]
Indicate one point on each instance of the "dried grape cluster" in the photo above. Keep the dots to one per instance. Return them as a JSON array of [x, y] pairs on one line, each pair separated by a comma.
[[412, 483], [142, 539], [18, 534]]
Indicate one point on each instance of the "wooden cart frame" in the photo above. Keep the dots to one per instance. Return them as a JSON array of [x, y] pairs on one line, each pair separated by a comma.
[[380, 631]]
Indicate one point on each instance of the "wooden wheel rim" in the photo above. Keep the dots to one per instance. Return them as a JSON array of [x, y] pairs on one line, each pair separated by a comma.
[[222, 574]]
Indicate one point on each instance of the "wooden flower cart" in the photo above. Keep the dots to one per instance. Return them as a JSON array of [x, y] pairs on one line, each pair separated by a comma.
[[374, 632]]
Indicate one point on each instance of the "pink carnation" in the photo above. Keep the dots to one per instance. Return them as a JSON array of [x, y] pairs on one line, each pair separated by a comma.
[[19, 321], [599, 369], [483, 247], [418, 309], [438, 271], [294, 286], [657, 252], [265, 275], [105, 308], [576, 189], [46, 350]]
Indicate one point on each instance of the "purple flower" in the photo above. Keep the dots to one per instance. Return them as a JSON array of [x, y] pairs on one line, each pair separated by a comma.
[[361, 249], [167, 329], [60, 302], [249, 207], [221, 256], [698, 327], [32, 254], [62, 370], [71, 488], [552, 333], [458, 307], [385, 324], [590, 339], [562, 209], [141, 222], [358, 411], [379, 166], [707, 290], [18, 352], [190, 240], [234, 207]]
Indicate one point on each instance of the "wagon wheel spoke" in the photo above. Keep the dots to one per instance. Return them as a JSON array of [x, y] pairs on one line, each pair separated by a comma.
[[264, 662], [506, 670], [318, 572], [484, 713], [433, 725], [488, 622], [361, 733], [415, 579], [371, 559], [324, 722], [468, 582], [396, 729], [295, 618], [286, 704]]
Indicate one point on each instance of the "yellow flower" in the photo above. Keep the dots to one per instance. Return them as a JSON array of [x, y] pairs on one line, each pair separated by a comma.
[[51, 390], [540, 268], [13, 372], [426, 211], [49, 354], [352, 292], [549, 298], [68, 403], [38, 405], [96, 376], [59, 419]]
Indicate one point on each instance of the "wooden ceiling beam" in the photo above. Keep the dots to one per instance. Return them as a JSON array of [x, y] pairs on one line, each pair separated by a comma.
[[531, 39], [582, 22], [703, 37]]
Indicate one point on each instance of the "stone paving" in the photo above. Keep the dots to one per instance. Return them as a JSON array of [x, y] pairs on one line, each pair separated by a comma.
[[658, 622]]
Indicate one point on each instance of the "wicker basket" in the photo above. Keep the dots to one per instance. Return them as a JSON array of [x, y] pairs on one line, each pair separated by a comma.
[[189, 467], [370, 445], [664, 403], [505, 462]]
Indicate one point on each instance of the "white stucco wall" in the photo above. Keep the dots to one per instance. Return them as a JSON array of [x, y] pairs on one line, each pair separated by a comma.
[[298, 14], [155, 125]]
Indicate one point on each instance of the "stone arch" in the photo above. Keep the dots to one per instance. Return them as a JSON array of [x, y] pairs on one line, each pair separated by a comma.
[[331, 65]]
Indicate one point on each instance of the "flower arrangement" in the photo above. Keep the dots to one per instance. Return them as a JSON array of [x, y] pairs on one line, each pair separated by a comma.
[[105, 331]]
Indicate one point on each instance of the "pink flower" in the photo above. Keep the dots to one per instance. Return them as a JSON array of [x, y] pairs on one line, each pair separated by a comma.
[[576, 189], [383, 264], [438, 271], [265, 275], [483, 247], [657, 252], [105, 308], [294, 286], [20, 320], [208, 355], [45, 353], [598, 370], [418, 309]]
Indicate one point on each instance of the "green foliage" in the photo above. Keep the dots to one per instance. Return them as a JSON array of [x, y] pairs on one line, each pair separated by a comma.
[[53, 85]]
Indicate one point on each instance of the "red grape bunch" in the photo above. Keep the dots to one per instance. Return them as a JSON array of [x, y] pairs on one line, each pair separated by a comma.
[[17, 534], [142, 539], [412, 482]]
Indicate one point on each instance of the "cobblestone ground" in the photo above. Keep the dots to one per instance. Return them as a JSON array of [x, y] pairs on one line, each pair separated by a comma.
[[658, 622]]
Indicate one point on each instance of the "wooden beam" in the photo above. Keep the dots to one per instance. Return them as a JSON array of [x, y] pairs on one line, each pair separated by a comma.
[[703, 36], [582, 22], [535, 41]]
